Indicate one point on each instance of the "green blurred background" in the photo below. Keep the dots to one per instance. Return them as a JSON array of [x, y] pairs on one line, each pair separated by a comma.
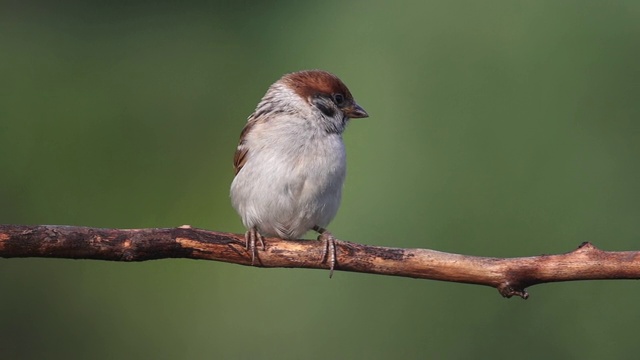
[[497, 128]]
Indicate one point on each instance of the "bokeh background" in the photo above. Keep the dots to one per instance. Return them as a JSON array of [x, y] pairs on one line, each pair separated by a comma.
[[497, 128]]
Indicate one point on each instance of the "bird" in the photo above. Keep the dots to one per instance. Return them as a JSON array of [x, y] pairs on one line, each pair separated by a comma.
[[290, 163]]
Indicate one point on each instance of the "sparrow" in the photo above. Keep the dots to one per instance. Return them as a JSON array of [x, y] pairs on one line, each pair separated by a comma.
[[290, 163]]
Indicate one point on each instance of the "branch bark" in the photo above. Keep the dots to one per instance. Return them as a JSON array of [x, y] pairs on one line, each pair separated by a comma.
[[510, 276]]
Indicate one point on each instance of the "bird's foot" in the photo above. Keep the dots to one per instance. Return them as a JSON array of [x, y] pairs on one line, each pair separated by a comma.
[[329, 252], [250, 237]]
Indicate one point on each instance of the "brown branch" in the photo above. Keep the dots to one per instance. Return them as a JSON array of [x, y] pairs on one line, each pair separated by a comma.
[[510, 276]]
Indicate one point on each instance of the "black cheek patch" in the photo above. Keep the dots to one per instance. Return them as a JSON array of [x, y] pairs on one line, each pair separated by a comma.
[[322, 106]]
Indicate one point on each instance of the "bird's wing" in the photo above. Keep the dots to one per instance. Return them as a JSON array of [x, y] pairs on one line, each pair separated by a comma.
[[240, 157]]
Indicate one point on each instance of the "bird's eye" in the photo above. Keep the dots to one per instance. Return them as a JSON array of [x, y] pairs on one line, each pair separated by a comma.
[[338, 98]]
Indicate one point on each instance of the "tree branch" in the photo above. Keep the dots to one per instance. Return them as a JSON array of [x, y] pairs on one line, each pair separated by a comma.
[[510, 276]]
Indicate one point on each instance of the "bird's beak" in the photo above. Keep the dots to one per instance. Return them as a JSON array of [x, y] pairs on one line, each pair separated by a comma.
[[355, 112]]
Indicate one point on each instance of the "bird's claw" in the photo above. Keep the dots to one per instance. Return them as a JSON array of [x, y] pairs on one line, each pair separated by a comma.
[[329, 252], [250, 238]]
